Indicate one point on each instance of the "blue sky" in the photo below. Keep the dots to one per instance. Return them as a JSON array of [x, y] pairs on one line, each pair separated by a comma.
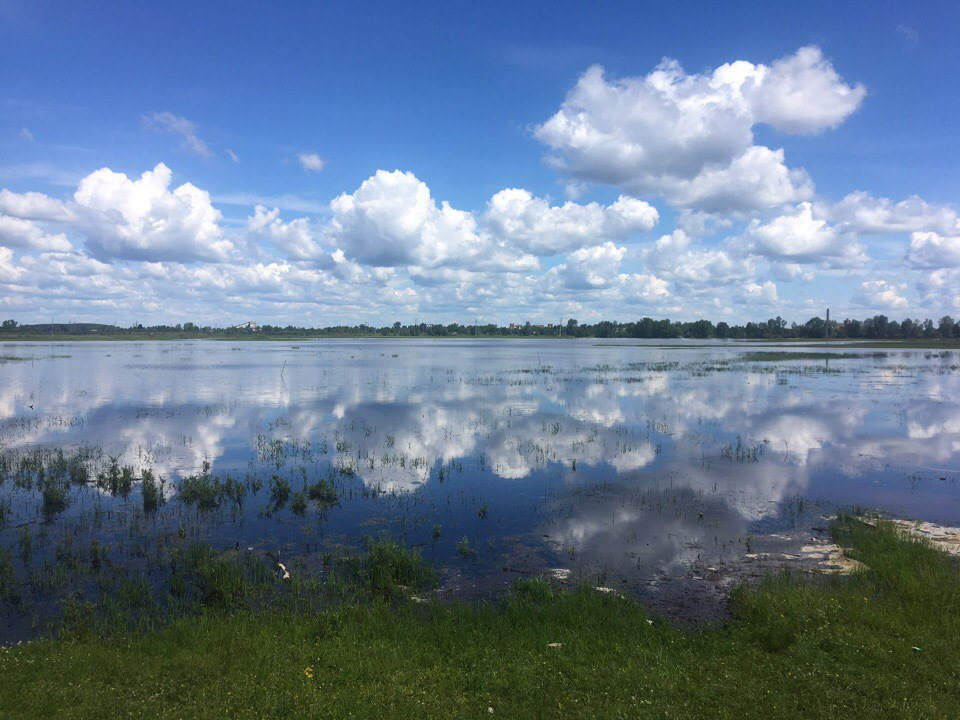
[[290, 107]]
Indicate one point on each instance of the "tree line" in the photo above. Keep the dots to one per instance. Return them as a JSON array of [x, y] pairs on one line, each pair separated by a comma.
[[876, 327]]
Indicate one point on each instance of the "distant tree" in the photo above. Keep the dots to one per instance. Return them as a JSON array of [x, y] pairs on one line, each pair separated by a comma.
[[815, 327], [947, 326], [8, 325], [605, 329], [700, 329]]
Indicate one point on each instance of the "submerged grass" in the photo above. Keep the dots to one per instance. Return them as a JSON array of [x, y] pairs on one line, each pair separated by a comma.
[[881, 643]]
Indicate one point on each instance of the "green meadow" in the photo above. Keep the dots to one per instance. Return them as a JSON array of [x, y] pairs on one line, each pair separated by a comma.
[[883, 642]]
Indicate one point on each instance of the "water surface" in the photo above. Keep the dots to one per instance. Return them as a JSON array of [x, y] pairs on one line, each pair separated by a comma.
[[630, 463]]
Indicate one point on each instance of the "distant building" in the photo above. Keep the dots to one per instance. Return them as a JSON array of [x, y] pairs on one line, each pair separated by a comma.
[[513, 326], [249, 325]]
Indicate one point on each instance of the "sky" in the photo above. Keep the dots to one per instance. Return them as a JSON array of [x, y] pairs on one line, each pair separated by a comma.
[[319, 164]]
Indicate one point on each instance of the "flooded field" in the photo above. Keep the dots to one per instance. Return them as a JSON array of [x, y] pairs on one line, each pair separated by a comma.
[[664, 470]]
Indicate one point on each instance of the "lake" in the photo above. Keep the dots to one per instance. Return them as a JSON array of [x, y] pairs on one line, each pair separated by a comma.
[[643, 466]]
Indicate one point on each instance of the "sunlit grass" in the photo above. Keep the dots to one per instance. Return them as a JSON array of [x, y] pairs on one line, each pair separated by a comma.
[[882, 643]]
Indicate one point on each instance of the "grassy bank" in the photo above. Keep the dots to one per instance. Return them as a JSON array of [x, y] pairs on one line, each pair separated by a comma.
[[882, 643]]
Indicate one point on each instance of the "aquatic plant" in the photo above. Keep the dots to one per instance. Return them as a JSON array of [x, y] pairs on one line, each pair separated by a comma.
[[151, 490], [323, 492], [465, 549], [389, 568], [55, 494], [299, 502], [115, 479], [279, 490]]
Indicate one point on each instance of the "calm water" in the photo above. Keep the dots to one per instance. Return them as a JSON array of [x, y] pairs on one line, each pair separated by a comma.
[[630, 462]]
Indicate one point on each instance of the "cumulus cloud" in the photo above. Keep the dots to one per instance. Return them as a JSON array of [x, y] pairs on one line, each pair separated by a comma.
[[861, 212], [676, 257], [932, 250], [800, 93], [594, 267], [167, 122], [32, 206], [759, 292], [311, 162], [690, 137], [644, 287], [789, 271], [757, 179], [9, 271], [143, 219], [294, 239], [801, 237], [393, 220], [881, 294], [18, 233], [941, 288], [532, 224]]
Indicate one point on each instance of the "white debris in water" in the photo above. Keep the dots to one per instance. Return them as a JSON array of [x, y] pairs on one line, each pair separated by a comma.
[[560, 573]]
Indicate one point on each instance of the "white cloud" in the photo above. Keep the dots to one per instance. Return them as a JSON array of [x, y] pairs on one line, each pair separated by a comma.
[[392, 220], [294, 239], [802, 94], [533, 225], [167, 122], [311, 162], [941, 288], [757, 179], [788, 272], [764, 292], [690, 137], [881, 294], [801, 237], [25, 134], [675, 257], [594, 267], [10, 271], [32, 206], [143, 219], [232, 155], [18, 233], [864, 213], [644, 287], [932, 250]]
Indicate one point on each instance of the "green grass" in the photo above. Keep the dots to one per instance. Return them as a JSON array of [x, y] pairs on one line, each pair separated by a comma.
[[883, 643]]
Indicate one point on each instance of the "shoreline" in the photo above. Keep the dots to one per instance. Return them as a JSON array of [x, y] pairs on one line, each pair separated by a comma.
[[657, 343]]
